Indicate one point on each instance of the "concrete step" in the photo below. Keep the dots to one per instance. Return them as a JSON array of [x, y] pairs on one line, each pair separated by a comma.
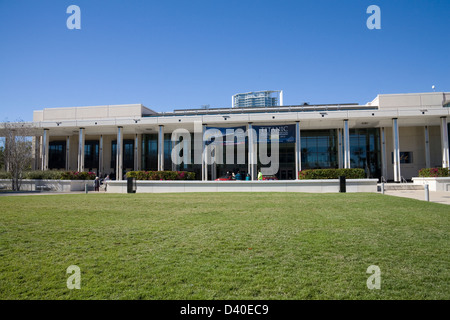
[[400, 186]]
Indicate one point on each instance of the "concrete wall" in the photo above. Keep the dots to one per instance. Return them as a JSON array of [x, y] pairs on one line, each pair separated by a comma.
[[94, 112], [412, 101], [311, 186], [435, 184], [49, 185]]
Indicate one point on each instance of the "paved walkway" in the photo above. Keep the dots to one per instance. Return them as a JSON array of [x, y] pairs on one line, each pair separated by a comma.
[[34, 193], [435, 196]]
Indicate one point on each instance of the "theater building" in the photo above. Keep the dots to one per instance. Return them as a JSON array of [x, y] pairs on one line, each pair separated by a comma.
[[391, 137]]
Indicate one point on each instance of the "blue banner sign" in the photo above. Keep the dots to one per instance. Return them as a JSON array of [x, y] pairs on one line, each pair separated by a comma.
[[286, 133]]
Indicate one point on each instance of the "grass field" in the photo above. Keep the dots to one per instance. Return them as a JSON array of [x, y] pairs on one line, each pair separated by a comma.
[[223, 246]]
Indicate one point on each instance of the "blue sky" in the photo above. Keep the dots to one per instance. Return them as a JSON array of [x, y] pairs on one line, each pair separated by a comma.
[[176, 54]]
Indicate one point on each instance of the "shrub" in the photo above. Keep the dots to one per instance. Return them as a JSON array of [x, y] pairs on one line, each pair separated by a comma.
[[75, 175], [45, 175], [161, 175], [52, 175], [355, 173], [434, 172], [5, 175]]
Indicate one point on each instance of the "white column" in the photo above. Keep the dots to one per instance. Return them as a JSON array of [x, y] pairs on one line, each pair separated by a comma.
[[298, 150], [36, 152], [281, 98], [81, 137], [427, 147], [119, 154], [252, 152], [340, 153], [100, 156], [161, 148], [45, 144], [397, 171], [346, 145], [383, 153], [444, 142], [204, 162], [214, 170], [136, 152], [68, 153]]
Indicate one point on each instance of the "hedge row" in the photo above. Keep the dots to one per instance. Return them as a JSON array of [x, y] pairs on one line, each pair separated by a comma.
[[434, 172], [52, 175], [161, 175], [355, 173]]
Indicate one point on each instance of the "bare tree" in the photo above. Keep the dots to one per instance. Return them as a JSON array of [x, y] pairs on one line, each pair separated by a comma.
[[2, 158], [17, 150]]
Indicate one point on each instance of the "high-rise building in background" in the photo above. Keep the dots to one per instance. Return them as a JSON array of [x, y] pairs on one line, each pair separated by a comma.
[[268, 98]]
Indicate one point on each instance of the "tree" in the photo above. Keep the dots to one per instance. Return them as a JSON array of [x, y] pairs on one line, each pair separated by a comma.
[[17, 152], [2, 158]]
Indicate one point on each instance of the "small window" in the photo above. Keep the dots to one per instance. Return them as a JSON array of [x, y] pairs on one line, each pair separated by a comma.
[[405, 157]]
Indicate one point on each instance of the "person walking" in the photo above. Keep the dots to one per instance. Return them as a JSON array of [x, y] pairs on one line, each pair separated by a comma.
[[260, 176], [105, 181], [97, 184]]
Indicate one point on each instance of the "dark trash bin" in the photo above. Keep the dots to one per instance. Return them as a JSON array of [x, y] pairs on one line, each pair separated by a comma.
[[342, 184], [131, 185]]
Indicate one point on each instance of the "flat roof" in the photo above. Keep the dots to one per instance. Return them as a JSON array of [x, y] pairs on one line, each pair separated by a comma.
[[272, 109]]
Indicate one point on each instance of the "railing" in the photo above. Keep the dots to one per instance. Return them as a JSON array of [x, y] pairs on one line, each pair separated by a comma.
[[403, 180], [383, 179]]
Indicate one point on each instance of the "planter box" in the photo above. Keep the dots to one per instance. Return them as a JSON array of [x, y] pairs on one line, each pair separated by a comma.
[[435, 184], [311, 186], [49, 185]]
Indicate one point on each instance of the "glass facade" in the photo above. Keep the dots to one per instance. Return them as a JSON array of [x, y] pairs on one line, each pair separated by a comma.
[[91, 154], [365, 151], [319, 149], [57, 155], [127, 154], [149, 157], [149, 160]]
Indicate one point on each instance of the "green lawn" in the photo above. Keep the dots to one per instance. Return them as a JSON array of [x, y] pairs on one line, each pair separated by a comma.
[[223, 246]]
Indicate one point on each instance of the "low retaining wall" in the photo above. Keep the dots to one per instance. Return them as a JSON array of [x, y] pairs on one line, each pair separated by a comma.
[[49, 185], [435, 184], [312, 186]]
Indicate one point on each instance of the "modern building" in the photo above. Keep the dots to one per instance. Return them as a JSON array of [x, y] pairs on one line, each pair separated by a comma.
[[258, 99], [391, 137]]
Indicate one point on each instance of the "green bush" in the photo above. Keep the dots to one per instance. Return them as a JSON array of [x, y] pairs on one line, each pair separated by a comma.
[[161, 175], [75, 175], [43, 175], [355, 173], [52, 175], [5, 175], [434, 172]]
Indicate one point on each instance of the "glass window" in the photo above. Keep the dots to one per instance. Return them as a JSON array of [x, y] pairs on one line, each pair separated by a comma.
[[91, 154], [319, 149], [150, 152], [127, 154], [405, 157], [57, 155], [365, 151]]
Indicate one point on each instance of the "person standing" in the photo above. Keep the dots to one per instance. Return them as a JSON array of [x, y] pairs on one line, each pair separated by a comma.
[[260, 176], [97, 184], [105, 181]]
